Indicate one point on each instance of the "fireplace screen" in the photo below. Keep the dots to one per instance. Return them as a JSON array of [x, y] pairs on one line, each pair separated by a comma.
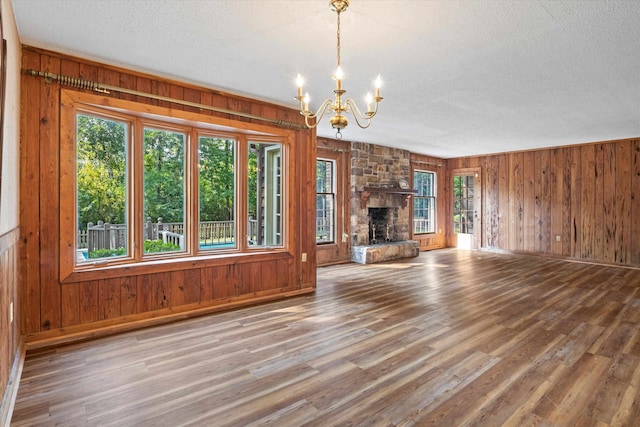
[[381, 225]]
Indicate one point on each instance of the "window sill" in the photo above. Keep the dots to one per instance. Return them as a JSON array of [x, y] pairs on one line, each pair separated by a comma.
[[173, 264]]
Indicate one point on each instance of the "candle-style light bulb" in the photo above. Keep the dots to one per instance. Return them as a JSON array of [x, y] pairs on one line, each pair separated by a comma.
[[339, 76], [306, 101], [299, 83], [378, 84], [369, 100]]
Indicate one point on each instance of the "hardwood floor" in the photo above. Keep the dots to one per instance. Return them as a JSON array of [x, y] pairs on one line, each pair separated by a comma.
[[451, 338]]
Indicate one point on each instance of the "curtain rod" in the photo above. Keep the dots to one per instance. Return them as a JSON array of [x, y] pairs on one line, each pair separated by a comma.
[[103, 88]]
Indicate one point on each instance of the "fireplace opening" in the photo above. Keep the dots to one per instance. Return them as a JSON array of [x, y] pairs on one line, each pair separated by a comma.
[[381, 225]]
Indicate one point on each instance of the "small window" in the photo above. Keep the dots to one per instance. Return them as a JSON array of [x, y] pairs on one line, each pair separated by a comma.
[[325, 201], [424, 202]]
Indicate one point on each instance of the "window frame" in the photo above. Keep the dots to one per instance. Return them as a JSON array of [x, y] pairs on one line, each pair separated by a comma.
[[432, 198], [138, 116], [139, 190], [333, 193], [196, 168], [283, 195]]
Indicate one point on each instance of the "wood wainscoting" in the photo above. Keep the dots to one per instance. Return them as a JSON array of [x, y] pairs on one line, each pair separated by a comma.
[[11, 351], [450, 338], [112, 300]]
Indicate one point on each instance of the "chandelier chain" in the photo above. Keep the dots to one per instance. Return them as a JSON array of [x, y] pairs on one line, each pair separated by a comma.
[[338, 37]]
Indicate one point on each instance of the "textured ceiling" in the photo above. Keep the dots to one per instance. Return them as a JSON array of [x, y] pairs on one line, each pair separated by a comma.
[[460, 77]]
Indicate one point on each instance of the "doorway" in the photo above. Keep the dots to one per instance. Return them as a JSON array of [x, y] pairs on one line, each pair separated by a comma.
[[467, 230]]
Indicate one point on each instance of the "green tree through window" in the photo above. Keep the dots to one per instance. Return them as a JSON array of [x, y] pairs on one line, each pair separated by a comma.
[[101, 170]]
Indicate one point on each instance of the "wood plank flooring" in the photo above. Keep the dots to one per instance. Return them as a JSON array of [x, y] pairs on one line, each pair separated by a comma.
[[451, 338]]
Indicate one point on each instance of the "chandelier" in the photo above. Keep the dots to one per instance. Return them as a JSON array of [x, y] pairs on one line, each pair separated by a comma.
[[339, 121]]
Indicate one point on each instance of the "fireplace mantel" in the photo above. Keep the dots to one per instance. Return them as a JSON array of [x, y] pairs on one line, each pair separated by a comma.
[[365, 192]]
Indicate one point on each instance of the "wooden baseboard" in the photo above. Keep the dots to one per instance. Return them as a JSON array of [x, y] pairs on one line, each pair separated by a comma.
[[560, 257], [58, 337], [11, 393]]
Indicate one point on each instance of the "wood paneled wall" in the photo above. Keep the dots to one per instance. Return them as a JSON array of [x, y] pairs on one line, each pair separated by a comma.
[[10, 337], [57, 312], [438, 239], [578, 202]]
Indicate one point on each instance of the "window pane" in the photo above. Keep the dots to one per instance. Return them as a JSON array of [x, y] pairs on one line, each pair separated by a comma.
[[164, 191], [324, 176], [102, 210], [325, 209], [265, 194], [217, 229], [325, 201], [463, 204], [424, 202]]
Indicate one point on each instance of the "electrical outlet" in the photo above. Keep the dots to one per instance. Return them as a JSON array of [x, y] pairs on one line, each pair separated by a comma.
[[557, 238], [304, 257], [11, 312]]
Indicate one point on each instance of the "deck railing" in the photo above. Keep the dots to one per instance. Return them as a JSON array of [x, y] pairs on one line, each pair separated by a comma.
[[173, 238], [105, 236], [421, 225], [112, 236]]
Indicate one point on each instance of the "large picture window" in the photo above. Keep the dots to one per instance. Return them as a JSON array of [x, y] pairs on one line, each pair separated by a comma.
[[424, 202], [325, 201], [151, 189]]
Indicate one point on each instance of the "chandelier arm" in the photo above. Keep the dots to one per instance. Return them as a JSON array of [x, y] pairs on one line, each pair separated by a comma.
[[354, 106], [355, 111], [319, 114]]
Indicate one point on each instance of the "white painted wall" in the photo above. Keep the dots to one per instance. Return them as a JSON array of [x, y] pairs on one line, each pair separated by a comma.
[[9, 193]]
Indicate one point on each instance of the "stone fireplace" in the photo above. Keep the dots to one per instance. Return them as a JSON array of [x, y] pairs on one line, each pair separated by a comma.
[[379, 204]]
